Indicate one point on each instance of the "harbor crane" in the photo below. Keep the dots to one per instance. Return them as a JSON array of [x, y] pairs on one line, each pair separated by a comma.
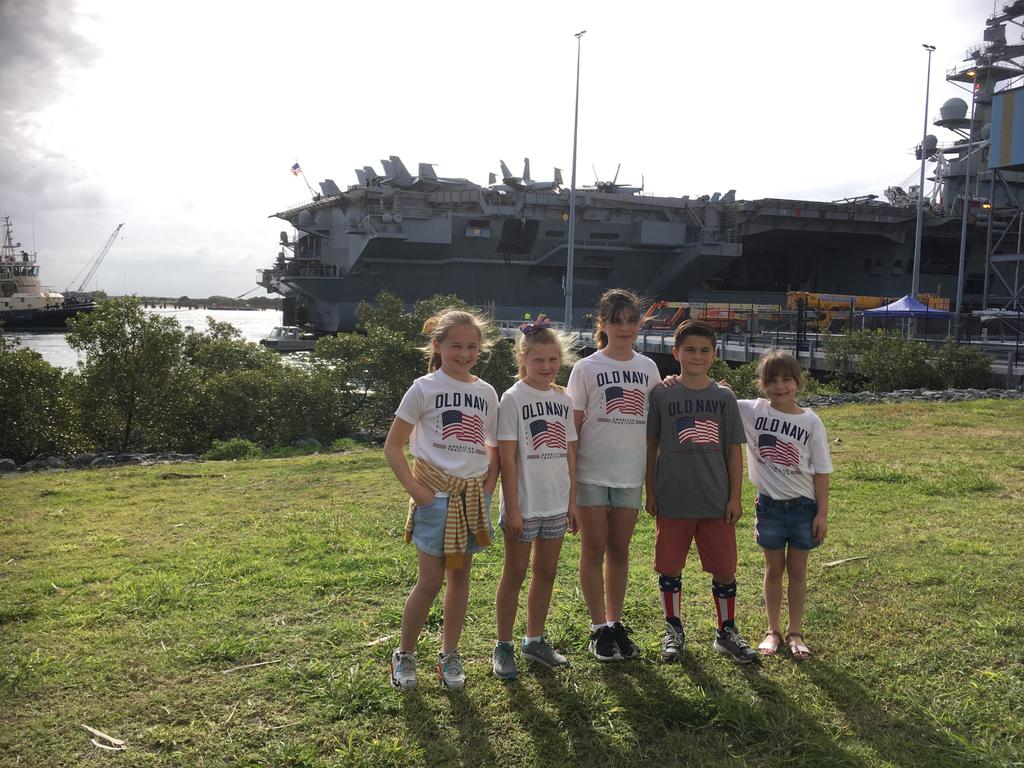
[[90, 268]]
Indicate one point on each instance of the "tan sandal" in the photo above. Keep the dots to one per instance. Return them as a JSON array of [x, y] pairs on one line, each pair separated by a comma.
[[770, 645], [797, 647]]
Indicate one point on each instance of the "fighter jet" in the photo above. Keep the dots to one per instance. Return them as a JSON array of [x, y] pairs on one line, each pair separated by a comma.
[[524, 183], [613, 187]]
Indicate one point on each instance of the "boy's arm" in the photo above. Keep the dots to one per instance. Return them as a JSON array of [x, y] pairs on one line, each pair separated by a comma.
[[653, 444], [819, 526], [394, 452], [734, 507], [510, 485]]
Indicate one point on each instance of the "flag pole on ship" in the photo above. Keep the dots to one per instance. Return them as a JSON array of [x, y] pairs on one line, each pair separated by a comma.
[[297, 171]]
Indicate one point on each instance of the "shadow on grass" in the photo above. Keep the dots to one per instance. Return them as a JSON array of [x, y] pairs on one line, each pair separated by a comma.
[[903, 740], [471, 747], [714, 722]]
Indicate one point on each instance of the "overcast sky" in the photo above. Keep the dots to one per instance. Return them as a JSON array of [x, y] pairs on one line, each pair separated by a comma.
[[183, 119]]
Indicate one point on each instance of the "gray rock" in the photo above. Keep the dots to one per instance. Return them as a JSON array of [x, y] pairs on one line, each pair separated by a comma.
[[7, 465], [55, 462], [308, 442], [102, 461], [83, 459]]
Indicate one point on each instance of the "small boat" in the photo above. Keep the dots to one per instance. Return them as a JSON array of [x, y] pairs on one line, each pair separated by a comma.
[[289, 338], [24, 301]]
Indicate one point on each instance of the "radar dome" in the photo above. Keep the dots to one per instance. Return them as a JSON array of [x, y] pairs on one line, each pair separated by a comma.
[[930, 144], [954, 109]]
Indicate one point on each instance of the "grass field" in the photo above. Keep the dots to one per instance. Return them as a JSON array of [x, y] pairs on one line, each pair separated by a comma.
[[129, 598]]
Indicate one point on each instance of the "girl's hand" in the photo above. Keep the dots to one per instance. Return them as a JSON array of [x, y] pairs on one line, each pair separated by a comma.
[[424, 497], [513, 523], [490, 485], [573, 517], [819, 528], [671, 379], [725, 385]]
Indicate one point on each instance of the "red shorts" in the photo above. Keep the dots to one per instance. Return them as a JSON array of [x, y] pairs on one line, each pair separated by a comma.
[[716, 544]]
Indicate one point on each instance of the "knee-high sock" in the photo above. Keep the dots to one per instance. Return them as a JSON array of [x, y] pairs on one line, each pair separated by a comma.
[[725, 603], [671, 587]]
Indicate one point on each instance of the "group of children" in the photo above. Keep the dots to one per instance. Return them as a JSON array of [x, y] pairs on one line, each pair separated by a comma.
[[579, 459]]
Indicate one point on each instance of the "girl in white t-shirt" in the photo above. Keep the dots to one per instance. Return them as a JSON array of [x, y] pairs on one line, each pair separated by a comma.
[[609, 391], [450, 418], [537, 446], [788, 462]]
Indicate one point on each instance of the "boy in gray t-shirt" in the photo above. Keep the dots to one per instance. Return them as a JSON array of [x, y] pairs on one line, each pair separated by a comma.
[[694, 476]]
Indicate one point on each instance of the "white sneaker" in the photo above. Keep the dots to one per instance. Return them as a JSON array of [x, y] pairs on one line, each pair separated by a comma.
[[403, 670], [449, 669]]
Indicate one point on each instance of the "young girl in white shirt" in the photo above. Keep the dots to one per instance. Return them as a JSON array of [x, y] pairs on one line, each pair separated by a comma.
[[609, 392], [788, 462], [450, 418], [537, 446]]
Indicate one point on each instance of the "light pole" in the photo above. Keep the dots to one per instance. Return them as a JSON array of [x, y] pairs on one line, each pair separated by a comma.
[[966, 201], [572, 192], [916, 271]]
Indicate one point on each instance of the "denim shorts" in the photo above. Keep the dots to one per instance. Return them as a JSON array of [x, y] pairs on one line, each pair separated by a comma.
[[553, 527], [428, 528], [786, 521], [589, 495]]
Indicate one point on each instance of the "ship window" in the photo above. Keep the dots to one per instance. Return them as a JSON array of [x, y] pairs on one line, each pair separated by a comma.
[[518, 236], [604, 235], [867, 265]]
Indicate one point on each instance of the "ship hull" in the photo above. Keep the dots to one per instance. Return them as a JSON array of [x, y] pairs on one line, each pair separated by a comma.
[[51, 319]]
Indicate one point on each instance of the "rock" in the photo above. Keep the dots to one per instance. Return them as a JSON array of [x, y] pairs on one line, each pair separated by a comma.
[[55, 462], [102, 461], [83, 459], [308, 442], [7, 465], [33, 466]]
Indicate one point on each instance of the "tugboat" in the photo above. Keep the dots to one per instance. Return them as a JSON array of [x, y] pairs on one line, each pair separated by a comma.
[[24, 301], [288, 338]]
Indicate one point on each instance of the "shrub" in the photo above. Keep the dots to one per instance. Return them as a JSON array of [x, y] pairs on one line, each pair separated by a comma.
[[960, 365], [230, 450]]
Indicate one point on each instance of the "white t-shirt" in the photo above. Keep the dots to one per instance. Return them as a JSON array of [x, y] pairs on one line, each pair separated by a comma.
[[542, 423], [613, 438], [784, 450], [452, 422]]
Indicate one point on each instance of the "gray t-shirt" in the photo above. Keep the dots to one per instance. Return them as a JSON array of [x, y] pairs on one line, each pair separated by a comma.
[[695, 428]]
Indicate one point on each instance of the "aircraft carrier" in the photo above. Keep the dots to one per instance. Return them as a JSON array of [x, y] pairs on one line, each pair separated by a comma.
[[503, 245]]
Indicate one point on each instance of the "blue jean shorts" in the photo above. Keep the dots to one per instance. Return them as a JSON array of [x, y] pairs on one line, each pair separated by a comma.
[[590, 495], [428, 528], [786, 521]]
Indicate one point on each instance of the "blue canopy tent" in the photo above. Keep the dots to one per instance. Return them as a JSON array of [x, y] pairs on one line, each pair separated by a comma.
[[906, 308]]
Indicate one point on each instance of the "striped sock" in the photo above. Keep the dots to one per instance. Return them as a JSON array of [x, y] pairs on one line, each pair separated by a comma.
[[725, 603], [671, 587]]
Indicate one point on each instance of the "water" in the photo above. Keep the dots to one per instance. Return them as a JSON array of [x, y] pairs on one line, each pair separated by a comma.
[[253, 325]]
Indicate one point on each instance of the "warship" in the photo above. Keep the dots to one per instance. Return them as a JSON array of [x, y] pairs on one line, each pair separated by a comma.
[[503, 246]]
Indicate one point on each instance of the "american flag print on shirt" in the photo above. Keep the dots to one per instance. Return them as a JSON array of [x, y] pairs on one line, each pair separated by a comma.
[[467, 427], [697, 431], [778, 451], [550, 434], [625, 400]]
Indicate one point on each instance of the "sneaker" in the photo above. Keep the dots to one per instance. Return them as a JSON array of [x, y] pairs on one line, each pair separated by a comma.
[[602, 645], [403, 670], [627, 649], [503, 661], [672, 643], [449, 669], [729, 643], [541, 650]]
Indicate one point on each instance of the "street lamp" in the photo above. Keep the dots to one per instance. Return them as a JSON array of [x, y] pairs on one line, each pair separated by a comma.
[[572, 192], [966, 201], [916, 272]]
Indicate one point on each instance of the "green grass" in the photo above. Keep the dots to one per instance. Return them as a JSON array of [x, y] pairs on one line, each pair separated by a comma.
[[128, 602]]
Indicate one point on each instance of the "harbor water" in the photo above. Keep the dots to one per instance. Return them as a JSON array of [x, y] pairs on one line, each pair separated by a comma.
[[253, 325]]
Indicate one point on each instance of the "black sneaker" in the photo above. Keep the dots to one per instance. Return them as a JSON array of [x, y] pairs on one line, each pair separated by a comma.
[[672, 642], [627, 649], [729, 643], [602, 645]]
